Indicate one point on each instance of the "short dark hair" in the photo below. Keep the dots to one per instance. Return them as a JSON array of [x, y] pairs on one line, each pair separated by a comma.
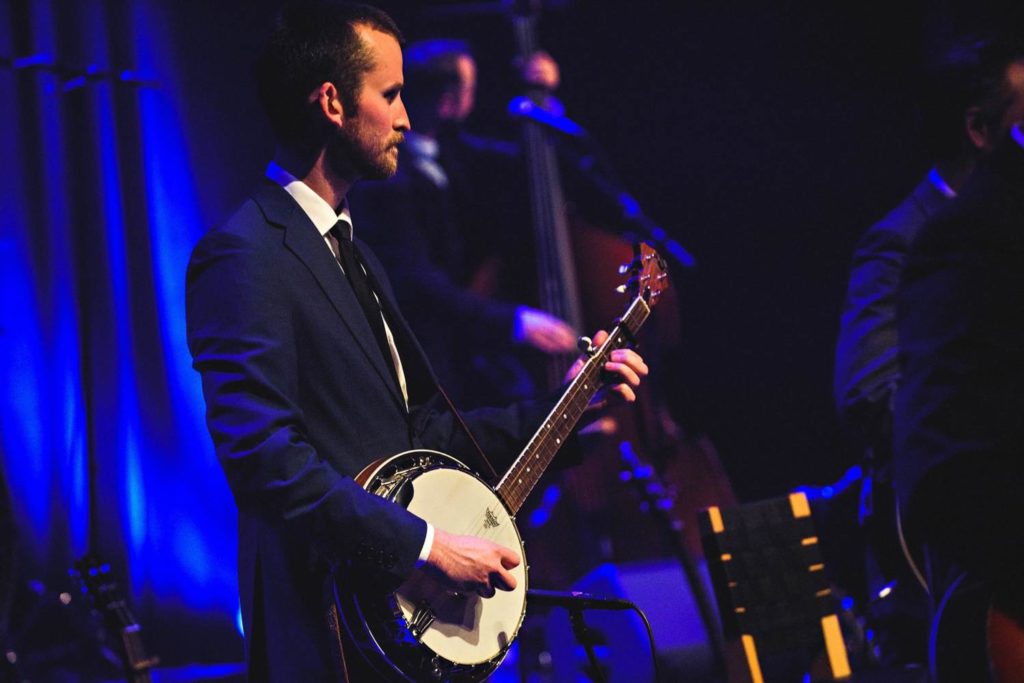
[[312, 42], [431, 70], [971, 74]]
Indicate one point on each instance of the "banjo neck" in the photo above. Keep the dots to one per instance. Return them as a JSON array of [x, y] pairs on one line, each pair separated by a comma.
[[527, 469], [457, 637]]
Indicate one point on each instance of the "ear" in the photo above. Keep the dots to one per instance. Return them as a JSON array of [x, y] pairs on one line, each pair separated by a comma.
[[327, 101], [977, 129]]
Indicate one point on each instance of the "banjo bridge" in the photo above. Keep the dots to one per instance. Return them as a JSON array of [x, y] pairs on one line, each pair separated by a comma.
[[421, 619]]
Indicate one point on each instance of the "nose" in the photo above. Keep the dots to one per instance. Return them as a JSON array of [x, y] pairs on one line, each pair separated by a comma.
[[401, 122]]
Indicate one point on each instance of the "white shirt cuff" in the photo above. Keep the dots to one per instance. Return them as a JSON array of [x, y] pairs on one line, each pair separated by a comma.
[[428, 543]]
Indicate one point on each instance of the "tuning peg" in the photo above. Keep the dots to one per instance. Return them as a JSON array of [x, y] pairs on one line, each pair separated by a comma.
[[586, 345]]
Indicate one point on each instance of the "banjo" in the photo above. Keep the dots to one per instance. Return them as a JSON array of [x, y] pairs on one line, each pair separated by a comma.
[[424, 631]]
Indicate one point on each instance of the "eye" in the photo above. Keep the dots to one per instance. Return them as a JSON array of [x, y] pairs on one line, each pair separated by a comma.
[[392, 94]]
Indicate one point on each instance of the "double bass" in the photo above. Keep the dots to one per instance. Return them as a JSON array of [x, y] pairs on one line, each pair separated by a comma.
[[573, 258]]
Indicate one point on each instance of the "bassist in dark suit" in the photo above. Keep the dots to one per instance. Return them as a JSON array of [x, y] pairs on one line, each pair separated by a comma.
[[452, 218], [310, 372]]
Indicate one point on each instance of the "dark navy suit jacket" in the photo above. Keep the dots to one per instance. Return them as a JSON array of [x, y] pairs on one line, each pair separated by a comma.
[[299, 400], [959, 419], [867, 366]]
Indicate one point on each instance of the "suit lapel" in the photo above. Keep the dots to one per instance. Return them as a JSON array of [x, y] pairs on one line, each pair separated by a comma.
[[302, 239]]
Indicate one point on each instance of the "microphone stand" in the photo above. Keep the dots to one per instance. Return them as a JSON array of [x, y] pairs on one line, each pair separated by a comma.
[[588, 638], [629, 209], [576, 603], [592, 163]]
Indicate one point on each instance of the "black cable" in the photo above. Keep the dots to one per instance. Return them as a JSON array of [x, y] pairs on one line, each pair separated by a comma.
[[650, 637]]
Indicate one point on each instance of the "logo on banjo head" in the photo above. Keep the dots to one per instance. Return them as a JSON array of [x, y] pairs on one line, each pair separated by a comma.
[[490, 520]]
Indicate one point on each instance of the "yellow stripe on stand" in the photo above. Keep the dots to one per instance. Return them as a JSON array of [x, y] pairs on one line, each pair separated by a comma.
[[750, 650], [715, 515], [801, 508], [835, 647]]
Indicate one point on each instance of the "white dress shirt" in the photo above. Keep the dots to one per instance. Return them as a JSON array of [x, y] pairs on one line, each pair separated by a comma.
[[324, 218]]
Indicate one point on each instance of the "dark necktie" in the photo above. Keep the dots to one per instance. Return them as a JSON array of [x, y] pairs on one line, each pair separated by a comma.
[[341, 241]]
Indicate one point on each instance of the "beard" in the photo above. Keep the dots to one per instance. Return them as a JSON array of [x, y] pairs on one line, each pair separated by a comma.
[[355, 154]]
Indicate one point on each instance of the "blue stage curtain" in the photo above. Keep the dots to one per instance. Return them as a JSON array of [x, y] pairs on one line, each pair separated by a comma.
[[102, 441]]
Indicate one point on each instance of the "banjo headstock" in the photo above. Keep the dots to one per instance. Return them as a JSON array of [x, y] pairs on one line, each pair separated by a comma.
[[648, 275]]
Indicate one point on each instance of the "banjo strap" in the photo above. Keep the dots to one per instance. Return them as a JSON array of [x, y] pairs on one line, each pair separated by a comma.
[[487, 468]]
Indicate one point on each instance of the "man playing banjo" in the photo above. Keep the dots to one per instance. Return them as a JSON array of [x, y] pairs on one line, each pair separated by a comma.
[[308, 369]]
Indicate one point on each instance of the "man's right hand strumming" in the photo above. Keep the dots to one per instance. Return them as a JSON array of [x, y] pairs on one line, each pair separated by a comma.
[[471, 564]]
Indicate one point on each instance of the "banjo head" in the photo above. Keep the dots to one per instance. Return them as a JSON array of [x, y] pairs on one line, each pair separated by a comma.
[[445, 633], [464, 628]]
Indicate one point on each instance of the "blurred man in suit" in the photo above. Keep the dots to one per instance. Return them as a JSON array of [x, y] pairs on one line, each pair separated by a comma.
[[972, 97], [457, 206], [959, 432]]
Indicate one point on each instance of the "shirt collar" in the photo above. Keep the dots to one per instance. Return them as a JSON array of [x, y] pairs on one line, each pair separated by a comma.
[[941, 185], [421, 145], [1017, 134], [321, 213]]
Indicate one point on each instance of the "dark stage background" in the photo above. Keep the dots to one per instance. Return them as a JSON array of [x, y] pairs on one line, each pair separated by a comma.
[[764, 136]]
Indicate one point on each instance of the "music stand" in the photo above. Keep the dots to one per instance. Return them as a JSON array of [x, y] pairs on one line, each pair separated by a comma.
[[776, 605]]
